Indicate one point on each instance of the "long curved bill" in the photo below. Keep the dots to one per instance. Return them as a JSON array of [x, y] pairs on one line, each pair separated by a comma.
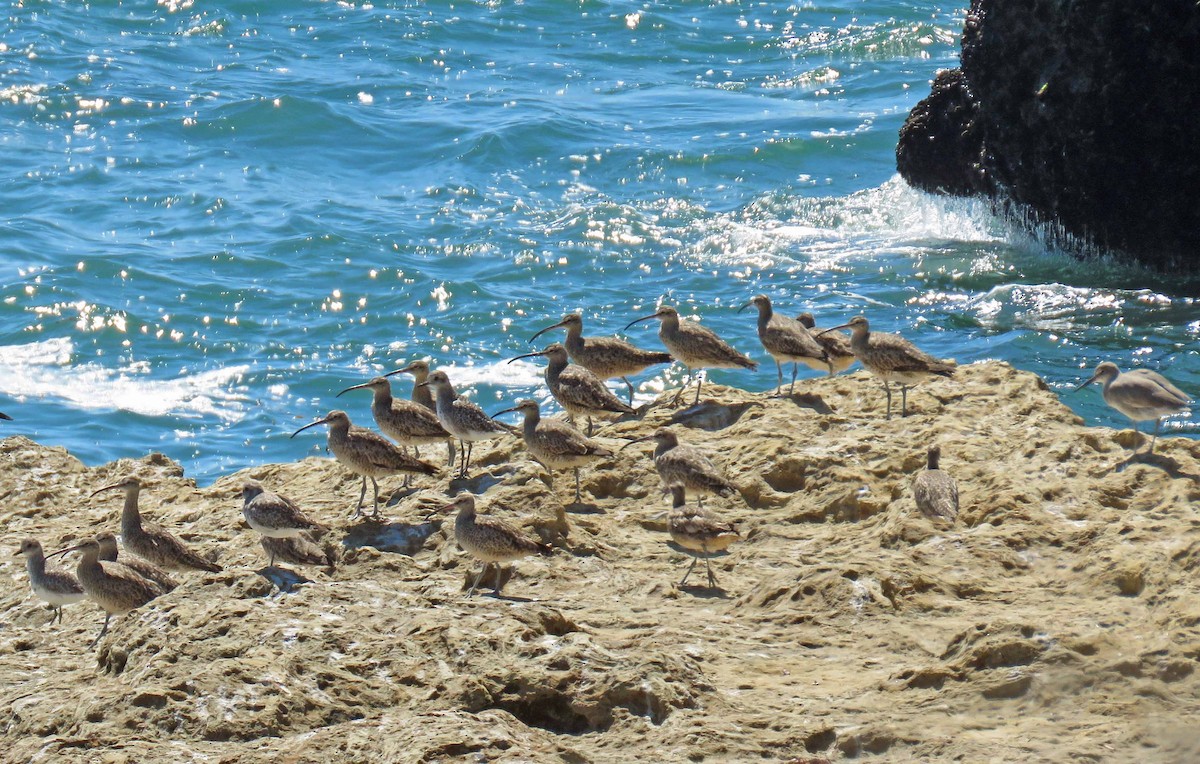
[[639, 320], [103, 489], [833, 329], [642, 439], [64, 551], [505, 411], [323, 420], [559, 325], [363, 386], [1085, 384], [747, 305], [526, 355], [406, 370]]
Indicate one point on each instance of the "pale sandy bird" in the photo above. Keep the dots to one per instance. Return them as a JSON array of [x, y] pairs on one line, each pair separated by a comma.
[[557, 445], [695, 346], [786, 340], [54, 586], [935, 491], [577, 390], [489, 539], [461, 418], [407, 422], [699, 531], [686, 466], [421, 394], [1139, 394], [273, 515], [366, 453], [893, 359], [836, 344], [153, 573], [151, 541], [111, 585], [606, 357], [299, 550]]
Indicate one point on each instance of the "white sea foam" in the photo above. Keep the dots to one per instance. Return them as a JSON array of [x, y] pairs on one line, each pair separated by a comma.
[[44, 370]]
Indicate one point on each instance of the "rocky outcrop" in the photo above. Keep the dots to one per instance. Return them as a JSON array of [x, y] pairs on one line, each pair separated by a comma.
[[1061, 614], [1079, 116]]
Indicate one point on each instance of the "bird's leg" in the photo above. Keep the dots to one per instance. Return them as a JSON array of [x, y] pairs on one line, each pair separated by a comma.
[[630, 385], [103, 631], [903, 400], [361, 495], [779, 378], [699, 384], [470, 446], [578, 498], [689, 572], [271, 564], [888, 389], [686, 382], [477, 578], [450, 453], [589, 431], [792, 389], [375, 485], [712, 580], [1157, 425], [499, 575]]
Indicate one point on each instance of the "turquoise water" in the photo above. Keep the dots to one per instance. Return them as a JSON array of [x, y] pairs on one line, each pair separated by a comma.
[[218, 214]]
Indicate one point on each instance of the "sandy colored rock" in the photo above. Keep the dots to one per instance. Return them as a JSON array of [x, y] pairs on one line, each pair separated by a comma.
[[1059, 619]]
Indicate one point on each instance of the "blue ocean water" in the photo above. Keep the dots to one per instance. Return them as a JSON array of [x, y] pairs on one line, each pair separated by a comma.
[[218, 214]]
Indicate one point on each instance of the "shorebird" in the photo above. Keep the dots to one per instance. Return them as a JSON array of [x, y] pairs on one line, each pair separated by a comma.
[[462, 418], [422, 395], [490, 539], [273, 515], [686, 466], [367, 453], [557, 445], [935, 491], [606, 357], [1139, 394], [699, 531], [695, 346], [836, 344], [577, 390], [114, 587], [53, 586], [108, 553], [786, 339], [893, 359], [150, 541], [298, 550]]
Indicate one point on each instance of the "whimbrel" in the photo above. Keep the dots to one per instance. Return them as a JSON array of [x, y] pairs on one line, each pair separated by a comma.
[[836, 344], [422, 395], [935, 491], [685, 465], [577, 390], [893, 359], [1139, 394], [111, 585], [298, 550], [273, 515], [462, 418], [786, 339], [367, 453], [695, 346], [490, 539], [53, 586], [557, 445], [150, 541], [108, 553], [701, 532], [606, 357]]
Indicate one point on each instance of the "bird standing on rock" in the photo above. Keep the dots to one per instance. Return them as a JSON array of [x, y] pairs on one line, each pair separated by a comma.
[[461, 418], [606, 357], [836, 344], [577, 390], [699, 531], [1139, 394], [408, 423], [935, 491], [685, 466], [422, 395], [53, 586], [114, 587], [893, 359], [273, 515], [557, 445], [151, 541], [490, 539], [786, 339], [148, 571], [695, 346]]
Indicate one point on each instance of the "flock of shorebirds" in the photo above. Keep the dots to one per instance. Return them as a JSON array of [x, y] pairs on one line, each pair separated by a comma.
[[576, 373]]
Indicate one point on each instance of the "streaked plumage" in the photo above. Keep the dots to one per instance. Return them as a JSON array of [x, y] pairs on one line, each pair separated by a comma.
[[114, 587], [686, 466], [366, 453], [299, 550], [606, 357], [148, 571], [836, 344], [1140, 394], [461, 418], [786, 340], [701, 532], [490, 539], [407, 422], [935, 491], [273, 515], [151, 541], [557, 445], [54, 586], [422, 395], [577, 390], [893, 359], [695, 346]]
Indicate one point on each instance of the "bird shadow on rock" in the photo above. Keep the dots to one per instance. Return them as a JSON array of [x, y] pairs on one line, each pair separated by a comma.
[[399, 495], [583, 508], [401, 538], [1165, 463], [712, 416], [809, 401], [476, 484], [705, 592], [283, 578]]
